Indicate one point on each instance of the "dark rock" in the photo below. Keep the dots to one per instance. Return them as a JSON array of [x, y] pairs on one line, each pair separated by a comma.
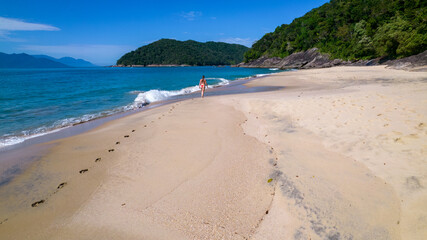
[[312, 58], [416, 62]]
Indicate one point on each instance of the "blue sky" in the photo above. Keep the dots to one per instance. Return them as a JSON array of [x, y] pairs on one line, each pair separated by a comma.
[[102, 31]]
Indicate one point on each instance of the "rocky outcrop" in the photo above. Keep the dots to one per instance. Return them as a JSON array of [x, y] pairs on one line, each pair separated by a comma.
[[312, 58], [414, 63]]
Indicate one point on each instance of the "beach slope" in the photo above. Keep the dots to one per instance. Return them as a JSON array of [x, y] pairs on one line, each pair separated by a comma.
[[337, 153]]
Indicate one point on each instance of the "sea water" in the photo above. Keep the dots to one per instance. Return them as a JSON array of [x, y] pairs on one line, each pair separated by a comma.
[[34, 102]]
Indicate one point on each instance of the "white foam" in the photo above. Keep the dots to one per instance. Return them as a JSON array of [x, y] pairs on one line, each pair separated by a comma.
[[222, 82], [135, 92], [7, 140], [142, 98], [12, 140], [159, 95], [156, 95], [273, 69], [262, 75]]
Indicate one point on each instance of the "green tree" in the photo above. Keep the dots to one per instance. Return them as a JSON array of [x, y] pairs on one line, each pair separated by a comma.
[[169, 51], [351, 29]]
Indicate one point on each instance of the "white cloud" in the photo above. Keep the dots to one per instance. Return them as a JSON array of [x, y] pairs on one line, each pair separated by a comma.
[[5, 37], [10, 24], [243, 41], [7, 25], [191, 15], [97, 54]]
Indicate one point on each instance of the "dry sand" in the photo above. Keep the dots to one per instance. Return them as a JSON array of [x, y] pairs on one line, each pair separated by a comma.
[[339, 153]]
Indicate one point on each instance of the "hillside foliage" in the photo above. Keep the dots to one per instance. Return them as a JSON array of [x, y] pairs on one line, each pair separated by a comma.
[[351, 30], [169, 51]]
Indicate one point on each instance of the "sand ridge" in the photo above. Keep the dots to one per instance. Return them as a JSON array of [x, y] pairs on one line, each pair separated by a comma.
[[372, 116]]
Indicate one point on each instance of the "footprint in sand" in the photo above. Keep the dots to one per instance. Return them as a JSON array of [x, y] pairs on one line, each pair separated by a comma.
[[117, 143], [35, 204], [111, 150], [133, 130], [83, 171], [126, 136], [98, 159], [61, 185], [413, 183]]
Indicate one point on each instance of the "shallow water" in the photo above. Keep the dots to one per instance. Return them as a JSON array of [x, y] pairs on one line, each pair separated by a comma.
[[34, 102]]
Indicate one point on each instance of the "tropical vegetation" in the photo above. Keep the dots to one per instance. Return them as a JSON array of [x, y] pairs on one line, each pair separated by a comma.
[[351, 30], [169, 51]]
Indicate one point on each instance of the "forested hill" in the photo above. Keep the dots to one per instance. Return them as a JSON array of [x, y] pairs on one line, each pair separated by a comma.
[[168, 51], [351, 30]]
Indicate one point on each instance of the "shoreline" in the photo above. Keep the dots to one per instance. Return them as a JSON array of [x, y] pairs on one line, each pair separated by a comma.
[[16, 156], [45, 136], [260, 165], [166, 65]]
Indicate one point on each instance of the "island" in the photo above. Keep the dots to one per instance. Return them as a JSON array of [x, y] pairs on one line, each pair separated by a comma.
[[169, 52]]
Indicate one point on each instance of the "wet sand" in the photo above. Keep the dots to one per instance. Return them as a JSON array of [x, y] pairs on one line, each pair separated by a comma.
[[336, 153]]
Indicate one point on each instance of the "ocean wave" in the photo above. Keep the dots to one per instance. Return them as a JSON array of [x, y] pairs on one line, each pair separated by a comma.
[[143, 98], [222, 82], [262, 75], [12, 139], [8, 140], [156, 95], [273, 69], [135, 92]]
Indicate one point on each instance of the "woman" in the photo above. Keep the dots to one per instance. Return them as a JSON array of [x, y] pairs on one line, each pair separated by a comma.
[[203, 84]]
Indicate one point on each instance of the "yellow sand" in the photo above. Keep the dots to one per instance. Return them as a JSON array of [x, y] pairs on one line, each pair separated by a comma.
[[338, 153]]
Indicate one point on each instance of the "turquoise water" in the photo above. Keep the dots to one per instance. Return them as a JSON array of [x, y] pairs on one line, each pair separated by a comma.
[[34, 102]]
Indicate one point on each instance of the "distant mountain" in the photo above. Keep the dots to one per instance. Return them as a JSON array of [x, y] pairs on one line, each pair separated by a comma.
[[27, 61], [171, 52], [72, 62]]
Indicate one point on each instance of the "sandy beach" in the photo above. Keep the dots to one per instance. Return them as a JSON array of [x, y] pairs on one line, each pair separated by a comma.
[[336, 153]]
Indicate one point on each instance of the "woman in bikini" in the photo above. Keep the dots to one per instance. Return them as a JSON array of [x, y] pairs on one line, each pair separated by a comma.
[[203, 84]]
